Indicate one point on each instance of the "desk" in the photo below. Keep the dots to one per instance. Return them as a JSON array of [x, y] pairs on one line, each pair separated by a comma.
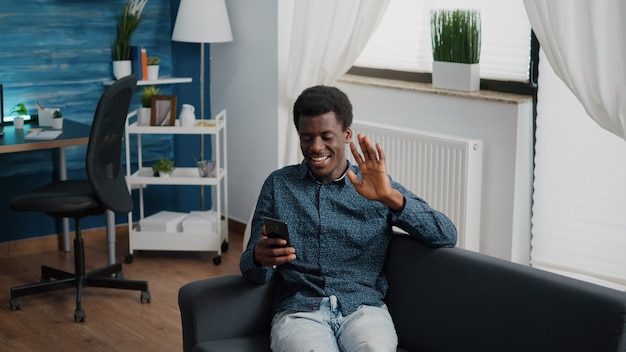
[[74, 133]]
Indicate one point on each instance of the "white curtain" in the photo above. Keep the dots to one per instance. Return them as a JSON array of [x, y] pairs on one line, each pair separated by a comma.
[[578, 222], [326, 36], [585, 43]]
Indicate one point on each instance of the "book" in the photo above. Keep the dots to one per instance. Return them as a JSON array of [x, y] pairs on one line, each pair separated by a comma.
[[135, 58], [43, 134], [144, 63]]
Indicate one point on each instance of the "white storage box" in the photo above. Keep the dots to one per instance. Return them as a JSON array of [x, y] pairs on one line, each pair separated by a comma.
[[163, 221], [200, 221]]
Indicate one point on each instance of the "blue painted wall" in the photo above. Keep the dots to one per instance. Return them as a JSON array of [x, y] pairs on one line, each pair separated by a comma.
[[58, 53]]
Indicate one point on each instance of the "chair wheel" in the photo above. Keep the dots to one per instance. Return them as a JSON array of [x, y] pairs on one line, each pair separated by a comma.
[[16, 303], [217, 260], [145, 297], [79, 315], [128, 259], [119, 275], [224, 246]]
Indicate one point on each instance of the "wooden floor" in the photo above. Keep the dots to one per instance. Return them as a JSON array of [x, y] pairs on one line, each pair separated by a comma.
[[115, 320]]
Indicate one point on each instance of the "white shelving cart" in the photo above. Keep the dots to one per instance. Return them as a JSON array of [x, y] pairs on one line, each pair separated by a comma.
[[142, 177]]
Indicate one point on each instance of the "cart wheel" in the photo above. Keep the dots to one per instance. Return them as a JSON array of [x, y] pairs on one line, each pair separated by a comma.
[[119, 275], [16, 303], [224, 246], [217, 260], [145, 297], [128, 259], [79, 315]]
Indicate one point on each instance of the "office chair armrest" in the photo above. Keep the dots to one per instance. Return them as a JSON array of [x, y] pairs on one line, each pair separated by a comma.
[[222, 308]]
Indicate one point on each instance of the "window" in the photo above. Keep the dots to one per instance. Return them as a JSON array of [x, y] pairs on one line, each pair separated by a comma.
[[402, 43]]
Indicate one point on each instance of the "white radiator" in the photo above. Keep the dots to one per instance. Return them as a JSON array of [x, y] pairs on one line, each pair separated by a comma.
[[444, 170]]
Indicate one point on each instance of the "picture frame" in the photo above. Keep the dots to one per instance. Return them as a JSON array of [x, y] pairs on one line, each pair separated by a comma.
[[163, 110]]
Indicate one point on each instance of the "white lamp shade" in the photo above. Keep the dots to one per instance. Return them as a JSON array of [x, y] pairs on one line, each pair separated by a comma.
[[202, 21]]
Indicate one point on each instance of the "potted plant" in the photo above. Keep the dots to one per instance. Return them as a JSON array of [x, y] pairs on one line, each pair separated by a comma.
[[57, 120], [456, 41], [164, 167], [127, 23], [153, 67], [144, 113], [21, 111]]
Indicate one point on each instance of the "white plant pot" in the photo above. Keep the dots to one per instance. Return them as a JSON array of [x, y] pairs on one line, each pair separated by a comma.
[[164, 174], [121, 68], [153, 72], [143, 116], [57, 123], [455, 76]]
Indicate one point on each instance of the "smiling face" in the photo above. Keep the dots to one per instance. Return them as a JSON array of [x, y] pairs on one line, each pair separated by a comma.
[[322, 142]]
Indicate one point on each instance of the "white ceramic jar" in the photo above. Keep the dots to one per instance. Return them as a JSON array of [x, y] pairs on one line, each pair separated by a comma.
[[187, 116]]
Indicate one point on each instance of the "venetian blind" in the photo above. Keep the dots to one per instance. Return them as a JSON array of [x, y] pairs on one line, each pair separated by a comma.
[[402, 41]]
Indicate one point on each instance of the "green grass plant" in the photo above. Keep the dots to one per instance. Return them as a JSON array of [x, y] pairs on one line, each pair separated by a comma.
[[456, 35]]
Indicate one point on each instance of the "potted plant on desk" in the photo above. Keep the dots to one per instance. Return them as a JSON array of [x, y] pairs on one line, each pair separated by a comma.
[[163, 167], [21, 112], [57, 120]]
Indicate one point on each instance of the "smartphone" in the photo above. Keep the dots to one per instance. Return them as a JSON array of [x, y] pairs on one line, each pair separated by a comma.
[[275, 228]]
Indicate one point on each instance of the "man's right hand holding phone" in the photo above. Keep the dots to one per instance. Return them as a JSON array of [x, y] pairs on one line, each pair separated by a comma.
[[273, 251]]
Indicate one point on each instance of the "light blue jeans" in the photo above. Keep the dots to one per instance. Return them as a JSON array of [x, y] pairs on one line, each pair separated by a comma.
[[327, 330]]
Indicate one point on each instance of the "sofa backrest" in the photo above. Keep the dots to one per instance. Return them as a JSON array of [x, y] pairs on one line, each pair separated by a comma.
[[451, 299]]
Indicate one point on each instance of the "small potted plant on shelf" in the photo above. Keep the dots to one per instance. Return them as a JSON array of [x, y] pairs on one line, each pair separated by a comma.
[[144, 113], [57, 120], [153, 67], [164, 167], [456, 41]]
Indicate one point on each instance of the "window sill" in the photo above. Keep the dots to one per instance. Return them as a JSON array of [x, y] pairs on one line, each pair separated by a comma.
[[486, 95]]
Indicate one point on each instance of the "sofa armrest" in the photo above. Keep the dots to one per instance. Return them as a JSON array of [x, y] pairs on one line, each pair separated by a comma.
[[224, 307]]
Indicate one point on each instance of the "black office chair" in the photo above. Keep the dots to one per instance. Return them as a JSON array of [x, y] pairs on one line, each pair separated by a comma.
[[105, 188]]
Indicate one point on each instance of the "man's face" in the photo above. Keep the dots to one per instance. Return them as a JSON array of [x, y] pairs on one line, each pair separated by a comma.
[[322, 142]]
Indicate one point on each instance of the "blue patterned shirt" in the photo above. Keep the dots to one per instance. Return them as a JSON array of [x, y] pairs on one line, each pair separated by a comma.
[[340, 239]]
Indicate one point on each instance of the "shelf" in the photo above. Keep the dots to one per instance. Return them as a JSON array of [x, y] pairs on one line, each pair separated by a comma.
[[180, 176], [202, 127], [177, 241], [164, 80]]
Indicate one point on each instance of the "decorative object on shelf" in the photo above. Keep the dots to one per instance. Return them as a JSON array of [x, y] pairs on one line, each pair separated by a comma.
[[153, 67], [456, 41], [206, 168], [144, 115], [164, 167], [202, 21], [127, 23], [163, 110], [187, 116], [57, 119]]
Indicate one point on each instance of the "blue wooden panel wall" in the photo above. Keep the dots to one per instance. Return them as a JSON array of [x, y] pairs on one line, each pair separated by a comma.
[[58, 53]]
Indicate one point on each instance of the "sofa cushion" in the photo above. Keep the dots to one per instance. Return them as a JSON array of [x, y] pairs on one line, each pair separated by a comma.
[[255, 343]]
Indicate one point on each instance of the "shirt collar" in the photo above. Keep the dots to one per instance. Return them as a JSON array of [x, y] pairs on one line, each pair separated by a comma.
[[303, 171]]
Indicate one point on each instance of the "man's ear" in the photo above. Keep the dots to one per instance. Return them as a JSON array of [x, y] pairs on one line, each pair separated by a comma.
[[348, 135]]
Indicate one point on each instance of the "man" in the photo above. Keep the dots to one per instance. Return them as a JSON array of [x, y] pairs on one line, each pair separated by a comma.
[[331, 283]]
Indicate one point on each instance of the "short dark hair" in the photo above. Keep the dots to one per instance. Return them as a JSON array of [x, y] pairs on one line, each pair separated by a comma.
[[319, 100]]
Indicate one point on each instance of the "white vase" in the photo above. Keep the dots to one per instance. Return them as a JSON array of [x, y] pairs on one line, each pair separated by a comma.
[[187, 116], [153, 72], [144, 115], [57, 123], [455, 76], [121, 68]]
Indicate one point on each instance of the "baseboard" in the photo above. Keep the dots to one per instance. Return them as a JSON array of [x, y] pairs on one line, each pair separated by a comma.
[[90, 236]]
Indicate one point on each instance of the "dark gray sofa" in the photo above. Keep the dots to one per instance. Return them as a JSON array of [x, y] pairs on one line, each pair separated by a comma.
[[446, 299]]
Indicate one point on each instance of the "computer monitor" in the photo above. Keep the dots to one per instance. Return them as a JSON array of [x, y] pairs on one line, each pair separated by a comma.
[[1, 112]]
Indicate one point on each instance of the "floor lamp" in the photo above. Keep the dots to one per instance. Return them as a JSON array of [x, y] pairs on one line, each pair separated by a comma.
[[202, 21]]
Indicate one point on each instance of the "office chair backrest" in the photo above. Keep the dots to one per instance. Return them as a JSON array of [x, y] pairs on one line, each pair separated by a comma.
[[104, 151]]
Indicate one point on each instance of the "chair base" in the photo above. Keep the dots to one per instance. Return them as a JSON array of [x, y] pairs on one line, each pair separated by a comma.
[[54, 279]]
